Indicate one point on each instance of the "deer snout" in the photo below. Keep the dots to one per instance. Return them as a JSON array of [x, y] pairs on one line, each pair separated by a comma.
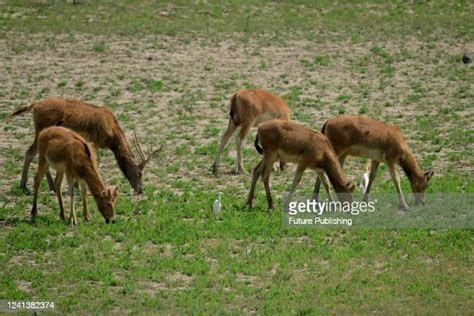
[[419, 199], [108, 220]]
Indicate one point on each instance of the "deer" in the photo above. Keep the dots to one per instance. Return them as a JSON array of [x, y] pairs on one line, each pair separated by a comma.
[[96, 124], [249, 108], [293, 142], [362, 136], [69, 154]]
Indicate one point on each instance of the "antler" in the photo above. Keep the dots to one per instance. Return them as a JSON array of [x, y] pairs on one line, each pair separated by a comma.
[[151, 152]]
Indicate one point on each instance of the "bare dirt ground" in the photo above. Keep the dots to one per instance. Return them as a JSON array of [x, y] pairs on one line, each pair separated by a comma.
[[420, 86]]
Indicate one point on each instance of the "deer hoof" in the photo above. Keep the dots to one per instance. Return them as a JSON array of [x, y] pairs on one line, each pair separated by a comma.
[[214, 170], [240, 171], [25, 190], [404, 208]]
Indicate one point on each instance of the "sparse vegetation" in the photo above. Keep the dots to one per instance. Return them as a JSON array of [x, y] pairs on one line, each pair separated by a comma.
[[168, 69]]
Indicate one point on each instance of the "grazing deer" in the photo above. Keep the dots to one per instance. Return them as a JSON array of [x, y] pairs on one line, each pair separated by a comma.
[[364, 137], [249, 108], [292, 142], [68, 153], [96, 124]]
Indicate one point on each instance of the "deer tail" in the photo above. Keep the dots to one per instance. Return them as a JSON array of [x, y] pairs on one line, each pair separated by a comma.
[[257, 146], [234, 113], [87, 150], [323, 130], [20, 111]]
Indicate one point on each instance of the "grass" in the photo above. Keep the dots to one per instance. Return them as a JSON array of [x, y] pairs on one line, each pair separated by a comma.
[[175, 256], [358, 20], [167, 69]]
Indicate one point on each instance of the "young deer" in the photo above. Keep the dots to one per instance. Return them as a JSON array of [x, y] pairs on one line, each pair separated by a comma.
[[96, 124], [68, 153], [249, 108], [364, 137], [292, 142]]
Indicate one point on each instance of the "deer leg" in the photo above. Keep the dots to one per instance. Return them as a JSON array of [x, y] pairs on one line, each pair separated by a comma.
[[50, 181], [57, 184], [29, 155], [326, 186], [296, 180], [72, 215], [244, 130], [268, 167], [231, 127], [317, 187], [42, 168], [323, 177], [374, 165], [95, 148], [257, 172], [342, 159], [87, 215], [396, 179]]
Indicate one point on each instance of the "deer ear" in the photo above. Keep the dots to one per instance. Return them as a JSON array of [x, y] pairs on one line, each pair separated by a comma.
[[104, 193], [428, 174], [114, 191]]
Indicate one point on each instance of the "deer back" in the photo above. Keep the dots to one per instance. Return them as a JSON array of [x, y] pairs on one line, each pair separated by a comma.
[[96, 124]]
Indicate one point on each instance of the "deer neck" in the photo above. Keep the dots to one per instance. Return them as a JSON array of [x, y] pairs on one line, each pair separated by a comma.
[[123, 155], [119, 145], [336, 176], [95, 184], [410, 166]]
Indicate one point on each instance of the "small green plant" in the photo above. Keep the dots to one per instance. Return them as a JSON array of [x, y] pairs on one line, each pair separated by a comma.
[[154, 85], [322, 60], [80, 84], [135, 86], [62, 83], [99, 47], [208, 67], [364, 109], [343, 98]]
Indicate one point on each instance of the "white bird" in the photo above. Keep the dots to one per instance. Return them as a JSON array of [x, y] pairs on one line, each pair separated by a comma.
[[217, 205], [364, 181]]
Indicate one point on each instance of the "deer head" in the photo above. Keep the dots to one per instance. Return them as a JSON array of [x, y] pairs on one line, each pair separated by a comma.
[[106, 203], [419, 186]]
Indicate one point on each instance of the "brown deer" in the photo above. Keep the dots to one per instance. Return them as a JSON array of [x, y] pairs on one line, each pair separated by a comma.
[[68, 153], [364, 137], [292, 142], [249, 108], [96, 124]]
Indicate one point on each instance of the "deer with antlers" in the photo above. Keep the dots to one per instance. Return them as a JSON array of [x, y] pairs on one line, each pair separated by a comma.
[[96, 124], [364, 137], [69, 154], [292, 142], [249, 108]]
